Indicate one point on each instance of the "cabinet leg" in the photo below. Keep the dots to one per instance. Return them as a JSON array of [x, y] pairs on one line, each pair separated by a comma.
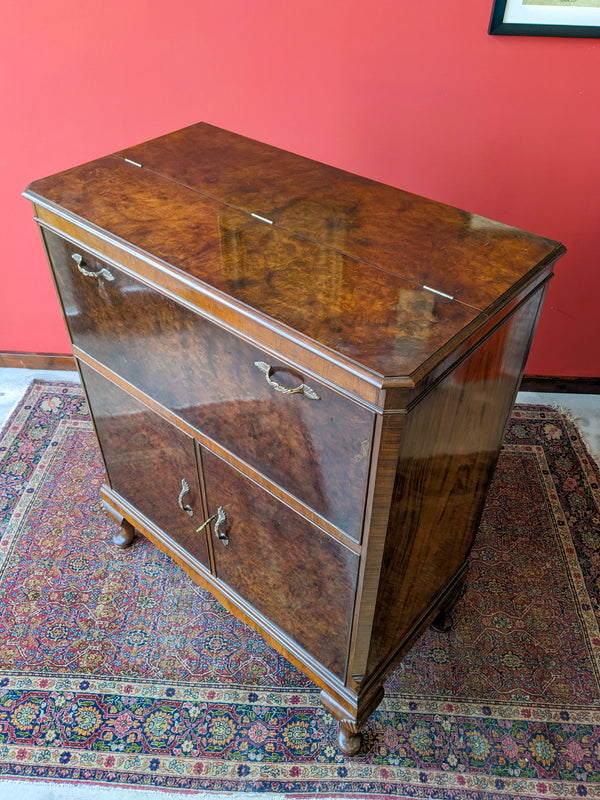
[[444, 621], [126, 533], [349, 738]]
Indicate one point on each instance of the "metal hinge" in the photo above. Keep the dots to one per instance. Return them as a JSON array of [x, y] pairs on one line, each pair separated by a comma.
[[436, 291], [262, 219]]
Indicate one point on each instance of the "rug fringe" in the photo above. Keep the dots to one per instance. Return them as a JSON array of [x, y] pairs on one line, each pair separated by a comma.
[[59, 790], [570, 416]]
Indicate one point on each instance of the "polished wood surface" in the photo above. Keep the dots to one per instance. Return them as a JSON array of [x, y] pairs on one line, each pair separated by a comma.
[[146, 461], [364, 251], [270, 559], [448, 452], [318, 366], [569, 384], [317, 449], [464, 255], [125, 533], [320, 292]]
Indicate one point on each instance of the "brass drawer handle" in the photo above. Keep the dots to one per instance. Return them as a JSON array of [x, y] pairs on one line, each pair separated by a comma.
[[267, 369], [185, 488], [221, 525], [82, 267]]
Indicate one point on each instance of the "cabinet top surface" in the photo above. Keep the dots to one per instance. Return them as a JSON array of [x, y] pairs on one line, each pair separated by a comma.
[[382, 277]]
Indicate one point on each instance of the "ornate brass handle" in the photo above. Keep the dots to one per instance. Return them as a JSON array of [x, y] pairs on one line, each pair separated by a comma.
[[221, 525], [185, 487], [82, 267], [267, 369]]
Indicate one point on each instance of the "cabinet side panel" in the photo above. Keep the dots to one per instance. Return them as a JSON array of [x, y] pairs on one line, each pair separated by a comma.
[[447, 456]]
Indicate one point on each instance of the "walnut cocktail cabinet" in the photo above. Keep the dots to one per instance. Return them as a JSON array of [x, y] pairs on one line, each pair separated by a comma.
[[299, 380]]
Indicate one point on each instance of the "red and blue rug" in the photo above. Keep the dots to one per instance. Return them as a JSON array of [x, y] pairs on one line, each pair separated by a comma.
[[116, 669]]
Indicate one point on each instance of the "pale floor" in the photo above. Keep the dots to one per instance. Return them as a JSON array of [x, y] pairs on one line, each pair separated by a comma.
[[583, 409]]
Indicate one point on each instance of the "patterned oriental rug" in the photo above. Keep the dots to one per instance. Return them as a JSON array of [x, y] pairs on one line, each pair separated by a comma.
[[116, 669]]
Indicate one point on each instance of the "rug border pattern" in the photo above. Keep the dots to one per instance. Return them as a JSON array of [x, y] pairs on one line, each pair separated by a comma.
[[346, 776]]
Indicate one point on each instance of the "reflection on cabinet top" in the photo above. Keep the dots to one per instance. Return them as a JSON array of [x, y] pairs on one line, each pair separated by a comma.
[[383, 283]]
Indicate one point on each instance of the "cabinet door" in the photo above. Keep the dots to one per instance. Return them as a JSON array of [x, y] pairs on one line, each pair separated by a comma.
[[149, 463], [293, 573]]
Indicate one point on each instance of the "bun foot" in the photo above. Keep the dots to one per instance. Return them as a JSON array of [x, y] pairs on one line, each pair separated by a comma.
[[444, 621], [125, 535], [349, 739]]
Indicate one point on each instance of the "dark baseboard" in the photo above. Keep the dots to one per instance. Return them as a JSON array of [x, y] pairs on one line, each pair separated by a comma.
[[530, 383], [37, 361], [543, 383]]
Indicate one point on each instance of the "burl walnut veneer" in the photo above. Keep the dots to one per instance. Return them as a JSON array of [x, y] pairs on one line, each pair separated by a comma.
[[300, 381]]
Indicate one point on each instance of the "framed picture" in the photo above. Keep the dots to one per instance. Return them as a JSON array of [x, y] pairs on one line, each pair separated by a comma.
[[546, 18]]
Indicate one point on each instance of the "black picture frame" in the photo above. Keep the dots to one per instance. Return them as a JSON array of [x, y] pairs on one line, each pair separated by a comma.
[[498, 26]]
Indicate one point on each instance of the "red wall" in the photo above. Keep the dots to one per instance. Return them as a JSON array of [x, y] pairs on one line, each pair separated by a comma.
[[413, 94]]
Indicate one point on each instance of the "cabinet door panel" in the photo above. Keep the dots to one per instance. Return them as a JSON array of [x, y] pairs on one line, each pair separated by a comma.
[[290, 571], [317, 449], [147, 459]]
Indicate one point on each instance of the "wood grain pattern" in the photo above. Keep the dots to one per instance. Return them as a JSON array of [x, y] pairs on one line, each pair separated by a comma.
[[146, 460], [282, 342], [293, 573], [465, 255], [396, 324], [231, 601], [449, 449], [316, 449], [388, 438]]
